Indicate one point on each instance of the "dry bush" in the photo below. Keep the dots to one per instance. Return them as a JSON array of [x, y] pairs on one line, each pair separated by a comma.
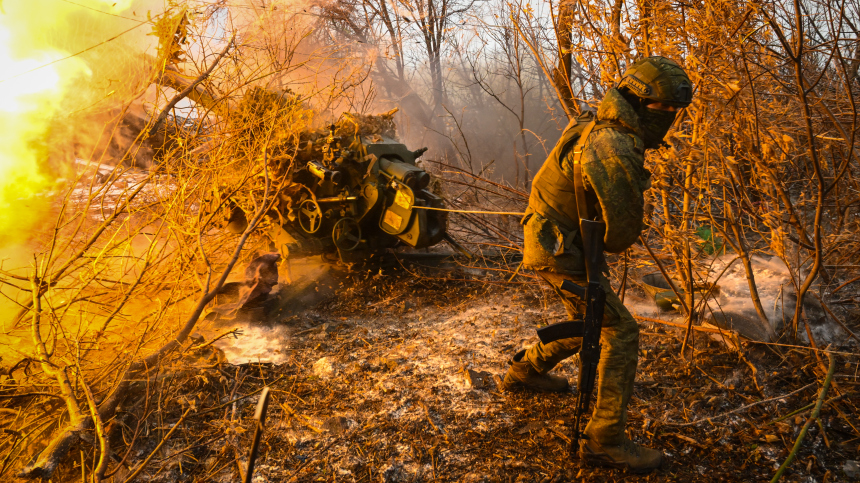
[[121, 278]]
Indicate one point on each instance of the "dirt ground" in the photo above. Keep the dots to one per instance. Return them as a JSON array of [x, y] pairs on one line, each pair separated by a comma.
[[392, 376]]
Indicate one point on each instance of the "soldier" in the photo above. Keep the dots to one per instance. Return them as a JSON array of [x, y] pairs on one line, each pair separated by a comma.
[[633, 117]]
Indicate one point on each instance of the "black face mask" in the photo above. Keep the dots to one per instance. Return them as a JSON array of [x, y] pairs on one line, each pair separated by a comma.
[[656, 124]]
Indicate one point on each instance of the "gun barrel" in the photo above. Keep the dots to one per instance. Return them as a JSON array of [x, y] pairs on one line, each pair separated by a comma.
[[412, 176], [335, 199]]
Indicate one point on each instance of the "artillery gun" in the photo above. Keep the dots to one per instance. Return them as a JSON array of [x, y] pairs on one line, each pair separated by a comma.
[[352, 189], [356, 191], [349, 192]]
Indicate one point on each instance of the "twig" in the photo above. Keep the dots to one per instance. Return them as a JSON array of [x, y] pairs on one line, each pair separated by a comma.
[[748, 341], [742, 408], [430, 420], [463, 172], [474, 212], [679, 325], [837, 319], [813, 349], [246, 396], [143, 464], [685, 438], [296, 416], [665, 275], [515, 272], [77, 53], [753, 368], [170, 105], [813, 417], [321, 450], [104, 447], [810, 405], [207, 344], [844, 284]]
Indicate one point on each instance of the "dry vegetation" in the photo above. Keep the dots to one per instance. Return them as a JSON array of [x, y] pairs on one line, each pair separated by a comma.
[[388, 375]]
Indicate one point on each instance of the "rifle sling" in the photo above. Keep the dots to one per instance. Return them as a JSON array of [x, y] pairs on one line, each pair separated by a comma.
[[578, 183], [561, 330], [572, 328]]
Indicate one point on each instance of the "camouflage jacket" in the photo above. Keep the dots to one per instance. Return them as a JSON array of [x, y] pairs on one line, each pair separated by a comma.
[[615, 179]]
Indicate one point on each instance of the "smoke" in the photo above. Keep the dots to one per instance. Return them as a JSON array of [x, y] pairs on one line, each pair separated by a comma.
[[285, 43], [64, 68], [256, 343], [733, 307], [61, 62]]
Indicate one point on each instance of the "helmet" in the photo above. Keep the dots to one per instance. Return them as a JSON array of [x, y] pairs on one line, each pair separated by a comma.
[[658, 79]]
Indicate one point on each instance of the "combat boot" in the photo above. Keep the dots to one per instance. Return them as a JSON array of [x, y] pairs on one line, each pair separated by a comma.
[[522, 375], [627, 455]]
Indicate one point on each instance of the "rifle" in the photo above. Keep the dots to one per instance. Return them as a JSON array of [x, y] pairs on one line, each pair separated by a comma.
[[595, 298]]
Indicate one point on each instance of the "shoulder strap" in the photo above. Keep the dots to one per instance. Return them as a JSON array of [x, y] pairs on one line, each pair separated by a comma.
[[578, 184]]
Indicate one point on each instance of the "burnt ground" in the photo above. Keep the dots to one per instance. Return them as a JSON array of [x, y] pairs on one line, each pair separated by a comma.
[[392, 377]]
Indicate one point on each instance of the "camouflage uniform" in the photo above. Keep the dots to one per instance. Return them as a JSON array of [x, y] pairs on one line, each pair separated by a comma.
[[616, 178], [633, 117]]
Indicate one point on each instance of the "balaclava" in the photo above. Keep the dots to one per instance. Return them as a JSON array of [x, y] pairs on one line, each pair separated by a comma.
[[656, 79], [655, 122]]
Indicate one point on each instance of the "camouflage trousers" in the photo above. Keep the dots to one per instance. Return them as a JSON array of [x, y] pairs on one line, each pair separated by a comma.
[[619, 339]]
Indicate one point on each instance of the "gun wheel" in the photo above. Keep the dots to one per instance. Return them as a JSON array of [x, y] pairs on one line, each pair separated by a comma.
[[310, 216], [346, 234]]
